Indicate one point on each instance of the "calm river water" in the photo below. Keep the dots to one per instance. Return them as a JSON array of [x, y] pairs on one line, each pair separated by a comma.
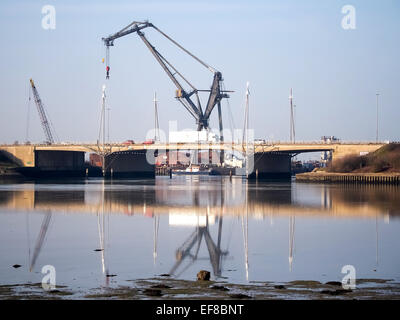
[[240, 231]]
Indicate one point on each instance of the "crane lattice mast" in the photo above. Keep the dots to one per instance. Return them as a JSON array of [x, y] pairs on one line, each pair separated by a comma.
[[42, 114], [216, 94]]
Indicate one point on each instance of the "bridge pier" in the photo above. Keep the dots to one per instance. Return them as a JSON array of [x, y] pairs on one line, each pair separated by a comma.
[[53, 163], [130, 164], [271, 165]]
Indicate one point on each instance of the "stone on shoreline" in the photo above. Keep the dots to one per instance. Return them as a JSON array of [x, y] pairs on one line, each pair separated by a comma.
[[161, 286], [152, 292], [279, 286], [334, 283], [203, 275], [221, 288], [239, 296], [335, 292]]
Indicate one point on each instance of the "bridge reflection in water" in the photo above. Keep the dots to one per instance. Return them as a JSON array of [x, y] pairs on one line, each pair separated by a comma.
[[161, 197], [199, 205]]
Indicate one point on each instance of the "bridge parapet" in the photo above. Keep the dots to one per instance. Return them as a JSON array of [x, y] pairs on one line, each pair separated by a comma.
[[24, 154]]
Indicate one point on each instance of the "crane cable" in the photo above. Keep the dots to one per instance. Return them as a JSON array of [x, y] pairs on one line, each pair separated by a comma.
[[57, 139], [107, 62], [102, 114], [52, 128], [232, 124], [183, 49], [28, 115]]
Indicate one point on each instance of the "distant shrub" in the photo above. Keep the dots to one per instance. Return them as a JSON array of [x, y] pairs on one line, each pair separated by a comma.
[[394, 160], [379, 164], [4, 158], [348, 163], [391, 147]]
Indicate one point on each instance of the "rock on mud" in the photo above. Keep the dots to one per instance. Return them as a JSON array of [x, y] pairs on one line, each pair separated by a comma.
[[334, 283], [153, 292], [203, 275]]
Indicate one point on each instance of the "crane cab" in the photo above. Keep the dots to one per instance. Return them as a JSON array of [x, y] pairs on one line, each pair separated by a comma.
[[178, 93]]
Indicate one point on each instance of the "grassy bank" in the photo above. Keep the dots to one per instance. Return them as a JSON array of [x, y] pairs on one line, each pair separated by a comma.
[[379, 167], [384, 160]]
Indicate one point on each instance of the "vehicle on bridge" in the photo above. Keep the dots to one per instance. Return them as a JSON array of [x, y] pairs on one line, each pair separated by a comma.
[[259, 141], [149, 141], [128, 142]]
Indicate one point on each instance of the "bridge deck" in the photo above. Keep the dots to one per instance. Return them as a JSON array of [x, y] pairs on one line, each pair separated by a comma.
[[278, 147], [24, 154]]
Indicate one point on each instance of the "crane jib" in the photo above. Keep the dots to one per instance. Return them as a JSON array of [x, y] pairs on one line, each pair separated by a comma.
[[42, 114], [215, 93]]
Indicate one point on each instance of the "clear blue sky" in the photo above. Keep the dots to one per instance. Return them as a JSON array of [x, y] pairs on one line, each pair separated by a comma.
[[275, 45]]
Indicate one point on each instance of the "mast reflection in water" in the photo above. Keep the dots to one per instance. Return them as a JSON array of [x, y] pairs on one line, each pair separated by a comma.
[[252, 231]]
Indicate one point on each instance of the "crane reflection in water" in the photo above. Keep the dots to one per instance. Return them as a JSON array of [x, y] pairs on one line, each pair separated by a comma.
[[40, 239], [216, 207], [190, 248], [216, 254]]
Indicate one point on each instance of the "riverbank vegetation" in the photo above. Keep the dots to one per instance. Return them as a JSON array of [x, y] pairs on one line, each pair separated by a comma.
[[5, 163], [384, 160]]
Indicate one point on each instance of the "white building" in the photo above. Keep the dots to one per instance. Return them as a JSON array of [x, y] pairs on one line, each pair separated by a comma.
[[190, 136]]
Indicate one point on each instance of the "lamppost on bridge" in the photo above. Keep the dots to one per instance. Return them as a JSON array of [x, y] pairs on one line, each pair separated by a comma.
[[377, 116]]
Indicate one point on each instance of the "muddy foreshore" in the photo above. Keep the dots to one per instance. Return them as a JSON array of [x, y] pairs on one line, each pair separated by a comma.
[[166, 288]]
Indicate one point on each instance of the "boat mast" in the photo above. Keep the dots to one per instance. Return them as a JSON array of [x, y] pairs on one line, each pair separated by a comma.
[[245, 230], [156, 123], [245, 139], [292, 127], [292, 221], [155, 239], [102, 130]]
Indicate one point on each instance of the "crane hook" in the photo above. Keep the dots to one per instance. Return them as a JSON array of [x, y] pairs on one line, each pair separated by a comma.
[[107, 62]]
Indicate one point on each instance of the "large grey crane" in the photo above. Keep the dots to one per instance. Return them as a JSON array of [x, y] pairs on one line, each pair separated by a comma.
[[216, 94], [42, 114]]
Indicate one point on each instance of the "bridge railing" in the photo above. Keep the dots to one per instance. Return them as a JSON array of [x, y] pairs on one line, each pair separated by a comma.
[[226, 143]]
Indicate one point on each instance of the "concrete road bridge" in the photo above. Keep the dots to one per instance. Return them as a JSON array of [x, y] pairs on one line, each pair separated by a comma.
[[270, 160]]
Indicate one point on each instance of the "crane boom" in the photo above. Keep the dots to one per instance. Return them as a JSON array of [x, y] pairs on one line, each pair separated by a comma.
[[195, 109], [42, 114]]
